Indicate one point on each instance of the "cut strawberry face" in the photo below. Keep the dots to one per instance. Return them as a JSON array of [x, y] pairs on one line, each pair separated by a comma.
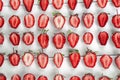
[[74, 20], [42, 78], [1, 21], [16, 77], [14, 4], [43, 21], [106, 61], [1, 5], [2, 77], [116, 39], [87, 3], [88, 38], [14, 21], [72, 4], [104, 78], [28, 76], [75, 78], [102, 3], [58, 77], [59, 21], [102, 19], [117, 61], [29, 20], [88, 77], [88, 20], [1, 39], [28, 4], [116, 3], [44, 4], [1, 59], [116, 21], [58, 59], [57, 3]]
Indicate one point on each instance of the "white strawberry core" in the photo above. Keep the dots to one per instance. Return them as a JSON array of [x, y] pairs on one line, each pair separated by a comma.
[[58, 3], [15, 3], [74, 21], [28, 38], [58, 59], [14, 38], [59, 77], [29, 19], [88, 20], [43, 20], [102, 3]]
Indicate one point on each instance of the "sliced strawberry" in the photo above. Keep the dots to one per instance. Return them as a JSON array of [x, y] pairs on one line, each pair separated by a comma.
[[75, 78], [102, 3], [117, 61], [106, 61], [29, 20], [116, 21], [58, 59], [28, 59], [74, 20], [88, 38], [73, 39], [14, 38], [88, 20], [58, 77], [102, 19], [59, 21], [90, 59], [1, 39], [16, 77], [15, 4], [42, 78], [1, 5], [14, 21], [57, 3], [116, 3], [28, 76], [88, 77], [43, 21], [2, 77], [28, 4], [72, 4], [1, 59], [104, 78], [59, 40], [42, 60], [118, 78], [28, 38], [44, 4], [87, 3], [116, 39], [1, 21]]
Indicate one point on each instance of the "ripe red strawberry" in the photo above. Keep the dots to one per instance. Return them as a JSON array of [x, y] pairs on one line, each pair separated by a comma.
[[72, 4], [117, 61], [59, 21], [59, 40], [116, 21], [14, 21], [58, 77], [43, 21], [116, 39], [1, 59], [28, 4], [14, 59], [2, 77], [118, 78], [28, 59], [74, 20], [14, 38], [42, 78], [42, 60], [73, 39], [106, 61], [75, 78], [14, 4], [103, 37], [88, 77], [29, 20], [28, 38], [116, 3], [1, 5], [88, 38], [57, 3], [1, 39], [87, 3], [90, 59], [28, 76], [1, 21], [16, 77], [104, 78], [44, 4], [58, 59], [88, 20], [102, 3], [102, 19]]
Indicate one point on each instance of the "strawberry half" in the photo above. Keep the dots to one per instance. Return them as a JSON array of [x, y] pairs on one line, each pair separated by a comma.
[[88, 77], [14, 21], [58, 77], [2, 77], [28, 76], [90, 59], [116, 3], [1, 59], [14, 38], [29, 20], [42, 60], [59, 40], [1, 39], [57, 3], [87, 3], [88, 20], [42, 78], [104, 78], [116, 21], [116, 39], [118, 78], [43, 21], [74, 20], [44, 4], [1, 5], [1, 21], [117, 61], [72, 4], [88, 38], [28, 59], [102, 3], [59, 21], [28, 4], [58, 59], [16, 77], [102, 19], [28, 38], [15, 4], [73, 39], [75, 78], [106, 61]]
